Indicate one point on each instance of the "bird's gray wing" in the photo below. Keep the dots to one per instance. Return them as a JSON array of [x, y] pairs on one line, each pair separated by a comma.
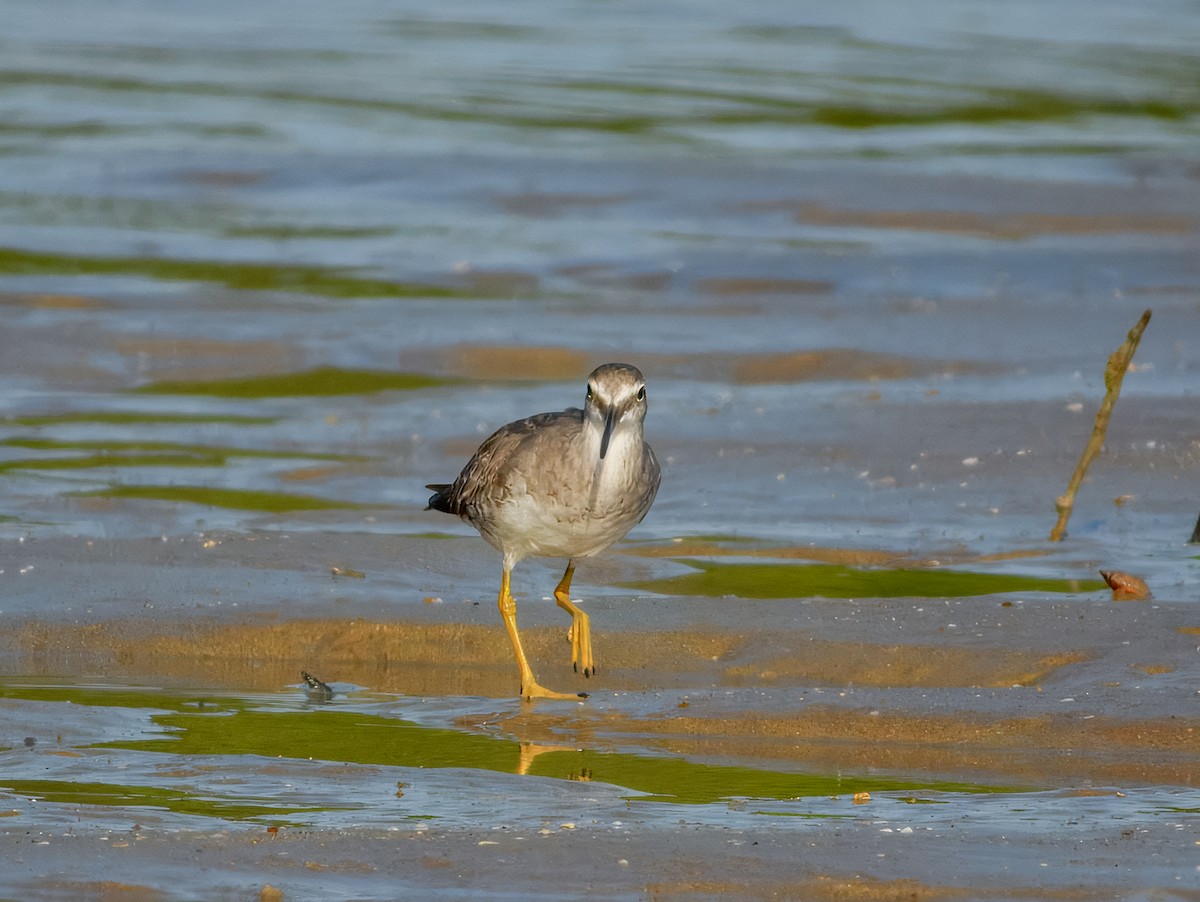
[[485, 476]]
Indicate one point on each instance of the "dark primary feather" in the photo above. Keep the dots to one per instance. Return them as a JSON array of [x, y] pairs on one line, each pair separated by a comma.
[[440, 500]]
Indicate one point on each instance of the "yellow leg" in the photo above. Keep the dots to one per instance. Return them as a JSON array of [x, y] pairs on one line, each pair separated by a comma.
[[580, 633], [530, 688]]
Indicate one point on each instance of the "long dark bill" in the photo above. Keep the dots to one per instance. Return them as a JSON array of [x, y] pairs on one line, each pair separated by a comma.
[[608, 428]]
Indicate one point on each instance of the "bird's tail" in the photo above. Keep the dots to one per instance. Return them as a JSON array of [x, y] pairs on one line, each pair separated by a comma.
[[440, 499]]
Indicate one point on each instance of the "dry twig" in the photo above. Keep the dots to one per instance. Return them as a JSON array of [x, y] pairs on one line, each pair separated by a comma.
[[1114, 375]]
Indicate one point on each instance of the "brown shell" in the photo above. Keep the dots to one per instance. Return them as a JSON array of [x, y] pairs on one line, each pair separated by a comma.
[[1125, 586]]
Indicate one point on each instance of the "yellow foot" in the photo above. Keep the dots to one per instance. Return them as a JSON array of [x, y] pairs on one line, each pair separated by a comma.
[[580, 637], [533, 689]]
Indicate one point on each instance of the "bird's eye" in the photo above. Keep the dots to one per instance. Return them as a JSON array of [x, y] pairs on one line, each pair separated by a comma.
[[642, 393], [590, 393]]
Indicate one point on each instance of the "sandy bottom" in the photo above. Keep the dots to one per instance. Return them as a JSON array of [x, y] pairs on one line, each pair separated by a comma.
[[1007, 747]]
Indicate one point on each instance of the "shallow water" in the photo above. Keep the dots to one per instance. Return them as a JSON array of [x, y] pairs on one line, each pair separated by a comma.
[[266, 270]]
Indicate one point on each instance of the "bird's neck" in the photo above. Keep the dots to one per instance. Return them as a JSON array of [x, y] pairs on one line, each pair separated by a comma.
[[617, 469]]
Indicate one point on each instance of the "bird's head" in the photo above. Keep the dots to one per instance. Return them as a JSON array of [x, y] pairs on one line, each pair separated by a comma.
[[616, 399]]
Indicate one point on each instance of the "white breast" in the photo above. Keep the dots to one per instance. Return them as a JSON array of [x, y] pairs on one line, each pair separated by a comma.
[[577, 520]]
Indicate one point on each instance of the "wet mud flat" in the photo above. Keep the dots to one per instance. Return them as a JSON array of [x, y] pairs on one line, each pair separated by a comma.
[[256, 297], [1039, 743], [840, 659]]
